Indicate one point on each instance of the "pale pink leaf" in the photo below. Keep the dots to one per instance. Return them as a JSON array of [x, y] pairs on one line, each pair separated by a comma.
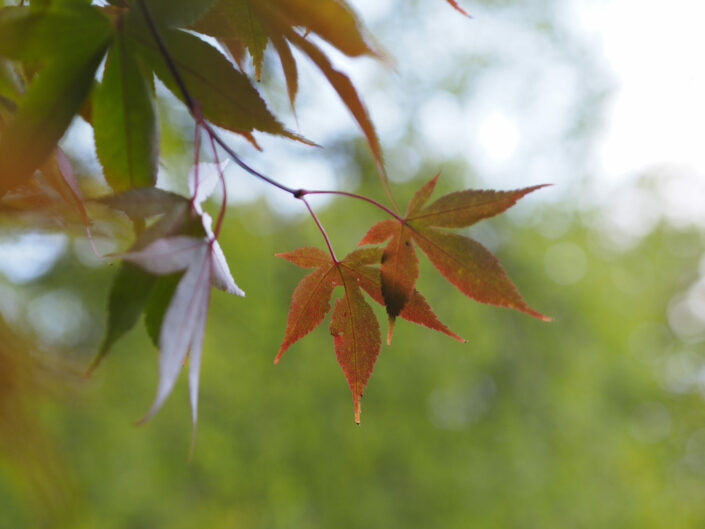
[[221, 278], [195, 360], [182, 327], [167, 255]]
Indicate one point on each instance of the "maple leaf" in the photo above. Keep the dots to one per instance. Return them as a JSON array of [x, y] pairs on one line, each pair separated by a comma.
[[354, 327], [462, 261]]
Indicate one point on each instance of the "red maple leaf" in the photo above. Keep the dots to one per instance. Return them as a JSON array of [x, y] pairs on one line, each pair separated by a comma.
[[354, 327]]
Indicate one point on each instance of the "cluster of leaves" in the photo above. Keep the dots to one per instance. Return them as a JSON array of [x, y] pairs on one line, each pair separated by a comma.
[[50, 53], [389, 277]]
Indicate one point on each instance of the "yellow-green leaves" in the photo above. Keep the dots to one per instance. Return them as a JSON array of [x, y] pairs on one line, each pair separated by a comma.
[[178, 12], [51, 102], [57, 91], [62, 31], [124, 120]]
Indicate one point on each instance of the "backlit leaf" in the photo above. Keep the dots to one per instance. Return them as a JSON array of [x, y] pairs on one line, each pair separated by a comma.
[[178, 12], [236, 19], [399, 264], [417, 310], [225, 95], [158, 303], [166, 256], [309, 305], [353, 324], [357, 341], [461, 260], [472, 269], [128, 295], [63, 31], [347, 92], [124, 120], [145, 202], [52, 100], [332, 20]]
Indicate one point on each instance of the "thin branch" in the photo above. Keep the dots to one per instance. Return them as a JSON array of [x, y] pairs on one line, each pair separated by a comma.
[[242, 164], [320, 227], [224, 202], [303, 192]]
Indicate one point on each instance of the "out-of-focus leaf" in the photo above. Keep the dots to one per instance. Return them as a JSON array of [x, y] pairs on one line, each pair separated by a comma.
[[288, 62], [128, 295], [333, 20], [457, 7], [166, 256], [157, 303], [51, 102], [124, 120], [203, 179], [65, 31], [347, 92], [145, 202], [10, 85], [177, 12]]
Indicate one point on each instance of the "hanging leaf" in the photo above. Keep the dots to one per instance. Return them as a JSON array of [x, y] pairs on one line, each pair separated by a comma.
[[128, 295], [353, 324], [125, 121], [356, 335], [158, 303]]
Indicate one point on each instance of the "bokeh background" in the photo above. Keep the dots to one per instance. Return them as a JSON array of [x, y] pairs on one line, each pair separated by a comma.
[[594, 420]]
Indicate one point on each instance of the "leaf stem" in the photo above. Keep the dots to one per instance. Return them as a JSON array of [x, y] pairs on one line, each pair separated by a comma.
[[320, 227], [224, 202], [303, 192], [196, 159]]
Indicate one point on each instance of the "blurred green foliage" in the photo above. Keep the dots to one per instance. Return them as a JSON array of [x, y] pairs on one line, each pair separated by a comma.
[[569, 424], [594, 420]]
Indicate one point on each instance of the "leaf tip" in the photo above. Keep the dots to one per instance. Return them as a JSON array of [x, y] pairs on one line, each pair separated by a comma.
[[390, 330]]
